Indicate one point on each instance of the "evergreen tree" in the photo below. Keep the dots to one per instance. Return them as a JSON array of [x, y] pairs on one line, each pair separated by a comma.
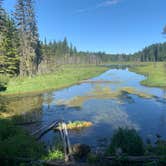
[[29, 48], [33, 38], [8, 44]]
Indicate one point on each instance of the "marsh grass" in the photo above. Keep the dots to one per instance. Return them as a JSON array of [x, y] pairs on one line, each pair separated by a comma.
[[155, 73], [64, 77]]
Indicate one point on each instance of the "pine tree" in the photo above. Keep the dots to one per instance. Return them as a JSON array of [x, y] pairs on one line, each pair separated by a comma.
[[8, 45], [33, 38], [20, 18], [29, 40], [2, 15]]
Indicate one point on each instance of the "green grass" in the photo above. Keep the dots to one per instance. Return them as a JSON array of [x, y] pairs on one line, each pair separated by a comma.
[[64, 77], [155, 72], [54, 155]]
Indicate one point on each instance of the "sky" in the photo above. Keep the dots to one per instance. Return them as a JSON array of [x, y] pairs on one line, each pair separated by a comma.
[[112, 26]]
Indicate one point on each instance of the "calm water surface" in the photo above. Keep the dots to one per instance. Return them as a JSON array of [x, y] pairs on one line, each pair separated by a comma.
[[147, 116]]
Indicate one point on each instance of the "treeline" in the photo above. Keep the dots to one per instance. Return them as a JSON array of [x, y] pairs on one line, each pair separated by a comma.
[[22, 53], [153, 53], [62, 52]]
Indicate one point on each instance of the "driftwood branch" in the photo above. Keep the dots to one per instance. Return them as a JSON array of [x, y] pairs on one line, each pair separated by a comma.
[[40, 132], [130, 159], [136, 159], [27, 123], [38, 162]]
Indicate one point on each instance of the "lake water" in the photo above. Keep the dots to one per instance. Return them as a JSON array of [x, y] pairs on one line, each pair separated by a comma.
[[146, 115]]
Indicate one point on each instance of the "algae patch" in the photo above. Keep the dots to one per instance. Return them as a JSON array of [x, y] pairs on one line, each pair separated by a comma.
[[100, 92], [133, 91]]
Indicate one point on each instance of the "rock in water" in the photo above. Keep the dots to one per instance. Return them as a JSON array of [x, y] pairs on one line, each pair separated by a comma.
[[81, 150]]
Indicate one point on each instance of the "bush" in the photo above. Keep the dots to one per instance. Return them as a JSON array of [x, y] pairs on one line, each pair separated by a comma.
[[3, 82], [127, 142], [14, 142]]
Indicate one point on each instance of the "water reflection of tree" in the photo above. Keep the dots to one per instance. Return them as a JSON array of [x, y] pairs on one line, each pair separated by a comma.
[[164, 92], [3, 104], [23, 108], [113, 115], [48, 99]]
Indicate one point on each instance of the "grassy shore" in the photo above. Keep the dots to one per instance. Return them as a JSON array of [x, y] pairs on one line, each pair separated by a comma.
[[64, 76], [155, 73]]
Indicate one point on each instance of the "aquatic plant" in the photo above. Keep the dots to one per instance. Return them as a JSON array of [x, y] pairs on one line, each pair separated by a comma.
[[131, 90], [100, 92], [77, 125]]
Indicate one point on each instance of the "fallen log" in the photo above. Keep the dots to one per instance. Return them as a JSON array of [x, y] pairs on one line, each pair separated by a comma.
[[37, 162], [43, 130], [27, 123], [137, 159]]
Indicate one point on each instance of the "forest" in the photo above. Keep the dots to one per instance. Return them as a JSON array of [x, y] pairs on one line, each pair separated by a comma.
[[23, 53]]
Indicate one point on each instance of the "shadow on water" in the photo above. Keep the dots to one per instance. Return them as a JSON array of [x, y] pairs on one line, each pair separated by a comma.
[[145, 112]]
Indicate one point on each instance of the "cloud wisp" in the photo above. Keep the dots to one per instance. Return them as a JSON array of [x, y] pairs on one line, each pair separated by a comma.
[[108, 3], [105, 3]]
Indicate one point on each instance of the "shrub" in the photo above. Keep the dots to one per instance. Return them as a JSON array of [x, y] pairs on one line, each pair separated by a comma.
[[14, 142], [127, 141], [3, 82]]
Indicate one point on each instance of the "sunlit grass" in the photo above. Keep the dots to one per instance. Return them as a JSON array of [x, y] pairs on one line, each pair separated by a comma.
[[65, 76], [155, 72]]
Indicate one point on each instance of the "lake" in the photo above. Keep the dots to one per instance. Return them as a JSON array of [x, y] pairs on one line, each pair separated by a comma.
[[101, 100]]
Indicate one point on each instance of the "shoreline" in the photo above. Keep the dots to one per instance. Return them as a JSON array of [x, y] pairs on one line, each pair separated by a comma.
[[154, 73], [77, 74]]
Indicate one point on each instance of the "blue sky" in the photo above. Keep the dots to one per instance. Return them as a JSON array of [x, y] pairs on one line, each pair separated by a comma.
[[113, 26]]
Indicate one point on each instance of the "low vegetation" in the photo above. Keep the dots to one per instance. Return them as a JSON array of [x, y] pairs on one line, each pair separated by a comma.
[[3, 82], [104, 93], [77, 125], [125, 141], [15, 142], [54, 155], [155, 73], [65, 76]]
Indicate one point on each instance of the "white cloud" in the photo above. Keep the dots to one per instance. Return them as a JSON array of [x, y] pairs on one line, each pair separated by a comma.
[[105, 3], [108, 3]]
